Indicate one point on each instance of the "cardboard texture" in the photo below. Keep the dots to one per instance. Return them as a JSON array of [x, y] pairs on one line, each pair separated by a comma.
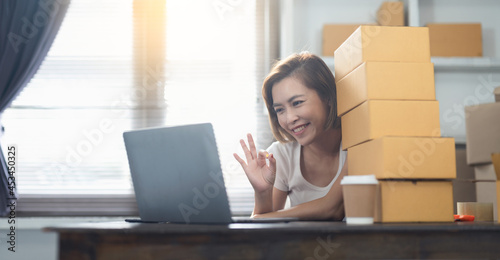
[[382, 43], [404, 158], [497, 94], [495, 159], [456, 40], [414, 201], [376, 118], [334, 35], [482, 130], [391, 14], [385, 81]]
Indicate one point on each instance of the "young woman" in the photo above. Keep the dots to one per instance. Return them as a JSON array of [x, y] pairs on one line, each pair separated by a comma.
[[307, 162]]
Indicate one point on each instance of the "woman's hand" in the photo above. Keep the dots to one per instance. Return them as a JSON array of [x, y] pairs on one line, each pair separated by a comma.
[[259, 173]]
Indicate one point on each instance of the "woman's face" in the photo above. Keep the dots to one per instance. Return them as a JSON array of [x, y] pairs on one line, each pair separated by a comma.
[[301, 112]]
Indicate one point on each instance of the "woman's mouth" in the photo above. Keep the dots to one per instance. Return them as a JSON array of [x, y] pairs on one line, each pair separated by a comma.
[[299, 129]]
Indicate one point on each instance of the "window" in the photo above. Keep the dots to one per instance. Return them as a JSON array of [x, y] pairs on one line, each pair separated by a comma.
[[96, 83]]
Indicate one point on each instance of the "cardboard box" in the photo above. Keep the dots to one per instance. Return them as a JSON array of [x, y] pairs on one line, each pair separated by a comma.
[[334, 35], [414, 201], [485, 172], [391, 14], [376, 118], [404, 158], [482, 131], [456, 40], [382, 43], [385, 81], [497, 94]]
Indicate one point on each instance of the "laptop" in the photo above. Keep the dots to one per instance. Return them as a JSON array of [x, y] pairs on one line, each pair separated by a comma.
[[177, 176]]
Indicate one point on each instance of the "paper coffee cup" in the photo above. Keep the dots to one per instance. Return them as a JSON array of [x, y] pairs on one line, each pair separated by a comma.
[[359, 198]]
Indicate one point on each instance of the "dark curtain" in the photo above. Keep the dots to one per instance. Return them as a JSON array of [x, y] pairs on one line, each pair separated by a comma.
[[27, 30]]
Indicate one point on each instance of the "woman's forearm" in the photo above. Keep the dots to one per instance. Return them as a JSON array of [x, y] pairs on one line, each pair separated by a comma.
[[318, 209], [263, 202]]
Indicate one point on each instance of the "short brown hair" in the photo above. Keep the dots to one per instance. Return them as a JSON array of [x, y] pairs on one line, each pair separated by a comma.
[[314, 74]]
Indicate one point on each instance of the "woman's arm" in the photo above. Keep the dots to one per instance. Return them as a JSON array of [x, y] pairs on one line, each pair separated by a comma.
[[260, 174], [331, 206]]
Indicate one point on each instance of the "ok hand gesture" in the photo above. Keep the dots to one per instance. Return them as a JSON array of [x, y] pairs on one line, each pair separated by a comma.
[[259, 173]]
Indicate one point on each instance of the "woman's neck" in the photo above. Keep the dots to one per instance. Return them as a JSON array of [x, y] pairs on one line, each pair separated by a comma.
[[328, 144]]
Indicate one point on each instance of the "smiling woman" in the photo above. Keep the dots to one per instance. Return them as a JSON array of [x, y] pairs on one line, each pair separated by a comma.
[[300, 95], [67, 123]]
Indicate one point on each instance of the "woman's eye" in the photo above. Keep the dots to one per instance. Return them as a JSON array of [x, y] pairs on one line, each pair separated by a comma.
[[278, 110], [298, 102]]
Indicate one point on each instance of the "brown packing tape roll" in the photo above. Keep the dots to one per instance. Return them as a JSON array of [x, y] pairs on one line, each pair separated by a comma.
[[482, 211]]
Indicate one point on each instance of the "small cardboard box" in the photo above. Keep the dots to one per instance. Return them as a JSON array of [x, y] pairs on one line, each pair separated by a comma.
[[334, 35], [456, 40], [404, 158], [376, 118], [382, 43], [391, 14], [414, 201], [497, 94], [482, 131], [386, 81]]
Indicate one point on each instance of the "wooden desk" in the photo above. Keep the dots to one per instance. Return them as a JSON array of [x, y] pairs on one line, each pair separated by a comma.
[[295, 240]]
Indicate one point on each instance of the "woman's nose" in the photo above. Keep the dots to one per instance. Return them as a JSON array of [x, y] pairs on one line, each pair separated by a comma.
[[291, 117]]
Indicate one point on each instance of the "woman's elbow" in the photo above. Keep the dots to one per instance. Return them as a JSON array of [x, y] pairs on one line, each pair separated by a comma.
[[335, 212]]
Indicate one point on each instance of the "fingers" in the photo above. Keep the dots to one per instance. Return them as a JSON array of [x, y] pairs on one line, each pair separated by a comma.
[[272, 163], [241, 161], [247, 152], [261, 158], [251, 143]]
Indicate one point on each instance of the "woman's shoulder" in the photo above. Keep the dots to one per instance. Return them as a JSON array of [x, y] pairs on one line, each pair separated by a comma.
[[283, 148]]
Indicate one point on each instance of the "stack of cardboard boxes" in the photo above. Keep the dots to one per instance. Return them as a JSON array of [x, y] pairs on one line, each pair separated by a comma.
[[482, 123], [390, 122], [389, 14]]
